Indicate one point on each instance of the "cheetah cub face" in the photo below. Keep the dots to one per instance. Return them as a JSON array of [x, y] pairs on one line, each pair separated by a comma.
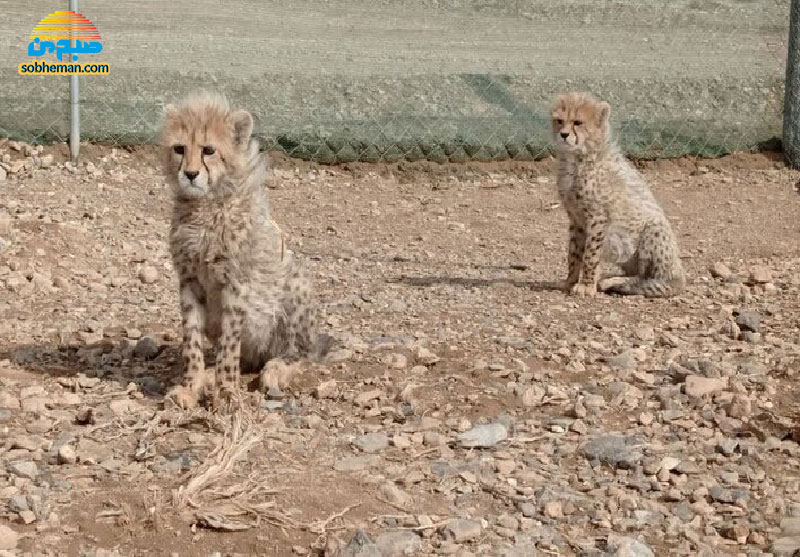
[[205, 144], [580, 123]]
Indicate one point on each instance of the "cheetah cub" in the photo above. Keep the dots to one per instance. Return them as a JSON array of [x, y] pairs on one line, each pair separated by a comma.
[[613, 216], [238, 285]]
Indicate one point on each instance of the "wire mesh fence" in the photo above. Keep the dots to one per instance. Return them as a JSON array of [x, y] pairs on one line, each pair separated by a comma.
[[442, 80]]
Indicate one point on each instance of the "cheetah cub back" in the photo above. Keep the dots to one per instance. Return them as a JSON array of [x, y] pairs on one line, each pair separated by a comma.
[[613, 215], [239, 287]]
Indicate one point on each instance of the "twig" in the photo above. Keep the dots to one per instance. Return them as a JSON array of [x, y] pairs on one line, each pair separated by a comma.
[[433, 525], [320, 526]]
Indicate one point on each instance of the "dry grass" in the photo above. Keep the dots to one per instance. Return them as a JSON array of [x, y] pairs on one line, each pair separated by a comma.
[[216, 496]]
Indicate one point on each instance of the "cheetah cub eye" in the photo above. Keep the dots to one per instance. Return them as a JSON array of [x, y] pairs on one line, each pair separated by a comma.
[[179, 149], [209, 150]]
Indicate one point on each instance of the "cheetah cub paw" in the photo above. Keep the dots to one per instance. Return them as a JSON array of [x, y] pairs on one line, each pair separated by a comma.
[[584, 290], [183, 396]]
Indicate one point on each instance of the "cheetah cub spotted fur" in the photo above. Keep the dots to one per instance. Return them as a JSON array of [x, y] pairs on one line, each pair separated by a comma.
[[238, 285], [613, 216]]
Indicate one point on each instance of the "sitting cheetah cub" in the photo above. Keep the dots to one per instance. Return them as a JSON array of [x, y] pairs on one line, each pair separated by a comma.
[[613, 216], [238, 285]]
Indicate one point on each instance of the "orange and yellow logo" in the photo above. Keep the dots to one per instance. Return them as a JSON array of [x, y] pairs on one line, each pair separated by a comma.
[[64, 33]]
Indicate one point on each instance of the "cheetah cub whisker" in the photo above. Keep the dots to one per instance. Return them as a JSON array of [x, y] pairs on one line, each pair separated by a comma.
[[239, 286], [613, 215]]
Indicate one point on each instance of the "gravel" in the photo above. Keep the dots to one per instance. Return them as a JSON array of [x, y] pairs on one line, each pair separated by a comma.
[[467, 406]]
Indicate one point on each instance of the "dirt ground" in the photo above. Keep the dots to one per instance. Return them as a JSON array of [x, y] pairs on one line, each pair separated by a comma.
[[607, 426]]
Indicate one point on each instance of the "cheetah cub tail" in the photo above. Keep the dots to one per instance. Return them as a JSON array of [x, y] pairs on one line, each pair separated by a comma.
[[647, 287]]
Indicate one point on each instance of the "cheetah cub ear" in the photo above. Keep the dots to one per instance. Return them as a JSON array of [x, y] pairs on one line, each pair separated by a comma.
[[242, 124]]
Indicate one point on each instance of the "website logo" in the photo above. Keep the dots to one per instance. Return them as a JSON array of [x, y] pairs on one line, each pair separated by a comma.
[[66, 34]]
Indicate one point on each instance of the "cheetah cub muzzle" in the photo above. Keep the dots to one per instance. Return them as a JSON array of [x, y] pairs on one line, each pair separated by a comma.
[[613, 215], [239, 287]]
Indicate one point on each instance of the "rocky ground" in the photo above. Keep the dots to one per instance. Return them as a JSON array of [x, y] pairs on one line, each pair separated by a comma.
[[467, 406]]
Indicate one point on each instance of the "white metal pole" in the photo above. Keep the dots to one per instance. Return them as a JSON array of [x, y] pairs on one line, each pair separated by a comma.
[[74, 98]]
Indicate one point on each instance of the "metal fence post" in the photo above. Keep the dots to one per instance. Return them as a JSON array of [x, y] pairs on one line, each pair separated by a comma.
[[791, 98], [74, 98]]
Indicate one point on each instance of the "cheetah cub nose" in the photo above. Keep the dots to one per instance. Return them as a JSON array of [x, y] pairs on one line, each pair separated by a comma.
[[191, 174], [564, 135]]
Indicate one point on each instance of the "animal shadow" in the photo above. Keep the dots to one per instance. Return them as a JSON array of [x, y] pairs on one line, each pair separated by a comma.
[[466, 282]]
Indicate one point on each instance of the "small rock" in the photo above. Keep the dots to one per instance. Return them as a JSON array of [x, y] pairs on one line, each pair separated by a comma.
[[620, 452], [483, 435], [720, 270], [28, 517], [622, 546], [25, 443], [8, 538], [146, 348], [34, 404], [148, 274], [731, 330], [18, 503], [46, 161], [396, 496], [507, 521], [326, 389], [553, 509], [750, 336], [24, 469], [533, 396], [372, 442], [462, 530], [359, 546], [729, 496], [697, 386], [67, 455], [740, 407], [760, 275], [748, 321], [727, 446], [399, 544], [669, 463], [625, 361], [737, 533], [356, 463], [365, 398]]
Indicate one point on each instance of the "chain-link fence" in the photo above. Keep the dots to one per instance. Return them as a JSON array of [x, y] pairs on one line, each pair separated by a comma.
[[383, 80]]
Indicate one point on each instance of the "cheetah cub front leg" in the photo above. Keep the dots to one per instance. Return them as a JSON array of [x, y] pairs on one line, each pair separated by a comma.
[[577, 243], [229, 347], [590, 263], [196, 380]]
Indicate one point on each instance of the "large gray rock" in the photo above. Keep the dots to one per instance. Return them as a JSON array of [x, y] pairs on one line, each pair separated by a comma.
[[483, 436], [399, 544], [615, 450], [621, 546]]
